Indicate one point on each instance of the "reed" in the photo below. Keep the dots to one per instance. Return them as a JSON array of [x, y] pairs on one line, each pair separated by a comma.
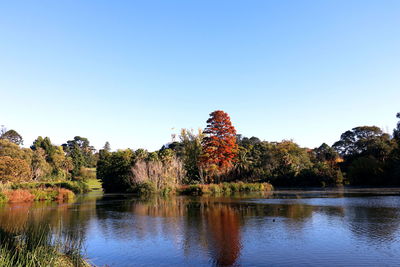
[[223, 188], [35, 246]]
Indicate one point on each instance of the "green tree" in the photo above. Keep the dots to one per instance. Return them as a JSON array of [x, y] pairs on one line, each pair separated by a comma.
[[107, 146], [140, 154], [114, 170], [12, 136], [166, 155], [396, 132], [359, 140], [47, 146], [246, 142], [191, 150], [366, 170], [153, 156], [7, 148], [81, 153], [40, 167], [394, 162], [243, 163], [78, 160], [368, 155], [54, 155], [14, 170], [86, 151], [279, 162], [325, 153], [319, 174]]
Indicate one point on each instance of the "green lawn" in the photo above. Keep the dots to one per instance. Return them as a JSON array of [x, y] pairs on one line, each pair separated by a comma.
[[94, 184]]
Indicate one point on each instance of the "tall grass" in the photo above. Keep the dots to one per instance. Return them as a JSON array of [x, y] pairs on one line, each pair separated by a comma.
[[36, 194], [157, 176], [224, 188], [148, 188], [77, 187], [37, 246]]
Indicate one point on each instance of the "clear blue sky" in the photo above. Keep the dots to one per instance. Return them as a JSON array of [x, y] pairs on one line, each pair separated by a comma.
[[128, 72]]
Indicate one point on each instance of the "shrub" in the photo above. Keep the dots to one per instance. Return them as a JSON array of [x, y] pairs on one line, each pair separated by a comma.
[[145, 188], [321, 174], [195, 190], [44, 194], [4, 187], [64, 195], [167, 191], [225, 188], [78, 187], [3, 197], [36, 194], [87, 174], [235, 187], [215, 189], [19, 195]]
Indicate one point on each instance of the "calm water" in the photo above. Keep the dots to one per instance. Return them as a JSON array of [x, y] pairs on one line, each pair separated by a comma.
[[285, 228]]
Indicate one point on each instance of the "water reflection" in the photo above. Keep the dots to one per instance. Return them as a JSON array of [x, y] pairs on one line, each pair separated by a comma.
[[225, 231]]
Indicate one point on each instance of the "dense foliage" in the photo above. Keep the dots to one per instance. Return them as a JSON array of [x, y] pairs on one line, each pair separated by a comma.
[[363, 156], [44, 161], [81, 153]]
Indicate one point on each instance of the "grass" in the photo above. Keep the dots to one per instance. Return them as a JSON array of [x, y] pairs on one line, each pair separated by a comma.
[[36, 194], [46, 191], [223, 188], [78, 187], [36, 246], [94, 184], [202, 189]]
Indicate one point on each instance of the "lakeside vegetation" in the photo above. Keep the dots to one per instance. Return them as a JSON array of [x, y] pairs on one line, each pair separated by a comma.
[[41, 191], [224, 188], [43, 172], [216, 157], [35, 246], [363, 156]]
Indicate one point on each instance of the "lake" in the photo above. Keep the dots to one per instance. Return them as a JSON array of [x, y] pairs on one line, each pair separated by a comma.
[[340, 227]]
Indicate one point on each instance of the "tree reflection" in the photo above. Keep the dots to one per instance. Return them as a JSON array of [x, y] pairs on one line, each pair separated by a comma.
[[224, 233], [379, 224], [68, 219], [212, 228]]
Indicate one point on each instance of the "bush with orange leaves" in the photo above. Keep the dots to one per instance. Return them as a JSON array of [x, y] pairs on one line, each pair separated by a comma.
[[64, 194], [37, 194], [19, 195]]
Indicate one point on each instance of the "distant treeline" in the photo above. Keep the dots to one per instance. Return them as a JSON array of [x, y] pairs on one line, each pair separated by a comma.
[[364, 156], [44, 161]]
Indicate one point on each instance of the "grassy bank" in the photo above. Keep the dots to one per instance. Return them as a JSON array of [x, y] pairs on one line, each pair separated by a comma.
[[36, 194], [202, 189], [94, 185], [77, 187], [38, 246], [41, 191], [223, 188]]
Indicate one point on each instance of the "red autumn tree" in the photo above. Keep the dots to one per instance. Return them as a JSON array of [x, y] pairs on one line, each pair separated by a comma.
[[219, 143]]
